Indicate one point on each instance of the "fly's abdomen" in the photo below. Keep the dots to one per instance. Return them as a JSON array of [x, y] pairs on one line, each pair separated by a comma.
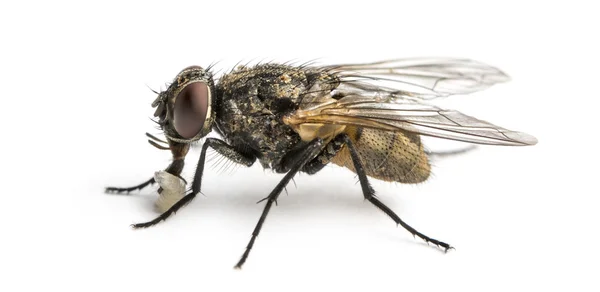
[[388, 156]]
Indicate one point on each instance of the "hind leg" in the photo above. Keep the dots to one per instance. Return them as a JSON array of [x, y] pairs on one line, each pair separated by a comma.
[[369, 195]]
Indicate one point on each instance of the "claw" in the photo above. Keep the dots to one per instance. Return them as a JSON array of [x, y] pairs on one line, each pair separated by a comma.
[[140, 225]]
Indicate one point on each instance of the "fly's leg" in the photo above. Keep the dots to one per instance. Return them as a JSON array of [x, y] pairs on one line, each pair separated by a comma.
[[369, 194], [179, 151], [449, 153], [312, 149], [317, 163], [222, 148], [330, 150], [117, 190]]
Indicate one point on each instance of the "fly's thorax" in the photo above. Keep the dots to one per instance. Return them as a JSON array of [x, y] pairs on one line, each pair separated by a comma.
[[186, 110], [252, 103], [311, 131], [268, 83]]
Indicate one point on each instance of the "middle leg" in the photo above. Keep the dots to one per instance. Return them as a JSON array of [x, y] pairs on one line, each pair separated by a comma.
[[312, 149]]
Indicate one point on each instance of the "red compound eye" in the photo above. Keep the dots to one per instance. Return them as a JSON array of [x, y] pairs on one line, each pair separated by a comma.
[[191, 106]]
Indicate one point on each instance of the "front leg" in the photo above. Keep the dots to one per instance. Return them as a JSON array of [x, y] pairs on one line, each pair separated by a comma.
[[179, 151], [222, 148]]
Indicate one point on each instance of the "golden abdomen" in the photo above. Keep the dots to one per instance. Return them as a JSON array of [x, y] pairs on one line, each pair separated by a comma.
[[388, 156]]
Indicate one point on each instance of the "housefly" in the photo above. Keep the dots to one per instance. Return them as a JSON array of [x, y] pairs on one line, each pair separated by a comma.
[[368, 118]]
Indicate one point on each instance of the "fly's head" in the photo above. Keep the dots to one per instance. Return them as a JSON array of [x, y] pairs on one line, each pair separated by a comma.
[[186, 110]]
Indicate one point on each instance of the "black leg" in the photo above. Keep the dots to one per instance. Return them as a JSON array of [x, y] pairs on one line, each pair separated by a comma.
[[290, 159], [179, 151], [451, 152], [312, 149], [174, 168], [317, 163], [369, 194], [130, 189], [328, 152], [222, 148]]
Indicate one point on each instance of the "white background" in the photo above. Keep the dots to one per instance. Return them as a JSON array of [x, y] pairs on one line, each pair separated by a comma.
[[75, 107]]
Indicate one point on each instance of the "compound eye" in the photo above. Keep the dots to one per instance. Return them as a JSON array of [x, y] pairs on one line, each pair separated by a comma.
[[191, 106]]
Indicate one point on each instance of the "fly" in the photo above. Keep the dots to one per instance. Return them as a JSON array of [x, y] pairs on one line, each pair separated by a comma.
[[368, 118]]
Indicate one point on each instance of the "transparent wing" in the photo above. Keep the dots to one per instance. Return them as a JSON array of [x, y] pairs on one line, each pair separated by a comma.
[[400, 114], [420, 78]]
